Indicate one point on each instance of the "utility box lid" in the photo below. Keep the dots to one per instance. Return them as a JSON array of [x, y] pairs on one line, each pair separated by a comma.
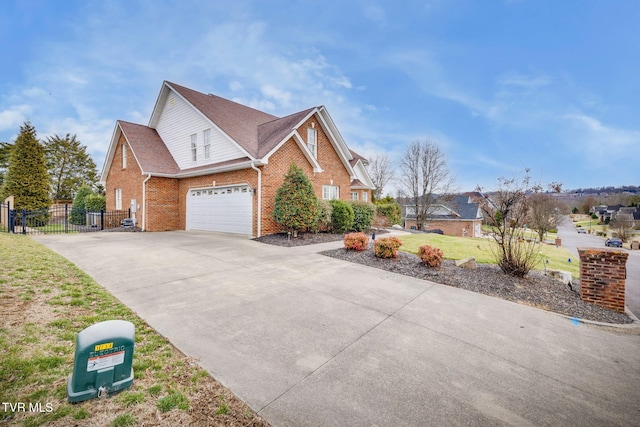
[[103, 360]]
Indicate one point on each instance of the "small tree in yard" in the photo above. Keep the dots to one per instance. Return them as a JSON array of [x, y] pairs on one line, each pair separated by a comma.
[[622, 227], [545, 213], [507, 213], [296, 204]]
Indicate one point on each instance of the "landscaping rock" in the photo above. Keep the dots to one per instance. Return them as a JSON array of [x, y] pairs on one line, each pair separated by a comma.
[[396, 226], [468, 263], [563, 276]]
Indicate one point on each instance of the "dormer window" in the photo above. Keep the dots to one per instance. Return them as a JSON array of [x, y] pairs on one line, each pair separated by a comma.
[[312, 141], [124, 156]]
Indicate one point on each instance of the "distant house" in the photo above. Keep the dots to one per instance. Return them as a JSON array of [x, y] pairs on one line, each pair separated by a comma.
[[607, 213], [459, 215], [207, 163]]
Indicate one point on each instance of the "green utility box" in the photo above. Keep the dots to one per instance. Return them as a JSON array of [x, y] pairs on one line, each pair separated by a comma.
[[103, 360]]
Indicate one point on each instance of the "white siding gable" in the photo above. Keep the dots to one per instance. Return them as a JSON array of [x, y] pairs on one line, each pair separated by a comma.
[[363, 175], [178, 121]]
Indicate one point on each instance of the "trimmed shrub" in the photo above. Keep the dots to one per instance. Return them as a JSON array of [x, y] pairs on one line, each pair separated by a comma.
[[356, 241], [296, 204], [323, 216], [390, 210], [363, 215], [95, 203], [387, 247], [341, 216], [430, 256]]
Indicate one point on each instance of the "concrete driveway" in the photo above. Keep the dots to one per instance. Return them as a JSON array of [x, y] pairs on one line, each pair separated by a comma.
[[309, 340]]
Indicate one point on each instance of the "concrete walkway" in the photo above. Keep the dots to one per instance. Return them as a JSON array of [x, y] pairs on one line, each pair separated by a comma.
[[310, 340]]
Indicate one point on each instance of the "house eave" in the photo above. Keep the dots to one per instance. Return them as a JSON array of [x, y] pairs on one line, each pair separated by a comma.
[[207, 171]]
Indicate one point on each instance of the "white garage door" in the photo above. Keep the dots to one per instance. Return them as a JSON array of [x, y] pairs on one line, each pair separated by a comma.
[[226, 209]]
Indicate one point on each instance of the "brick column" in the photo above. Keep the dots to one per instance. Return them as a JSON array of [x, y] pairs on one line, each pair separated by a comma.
[[602, 277]]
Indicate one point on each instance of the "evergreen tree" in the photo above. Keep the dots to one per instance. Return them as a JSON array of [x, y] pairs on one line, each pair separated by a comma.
[[26, 178], [78, 208], [5, 152], [70, 166], [296, 203]]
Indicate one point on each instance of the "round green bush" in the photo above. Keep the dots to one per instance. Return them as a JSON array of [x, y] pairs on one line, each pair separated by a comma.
[[341, 216], [363, 215]]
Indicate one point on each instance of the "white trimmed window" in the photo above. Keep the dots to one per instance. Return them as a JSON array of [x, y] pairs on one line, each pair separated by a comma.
[[365, 196], [330, 192], [118, 199], [206, 135], [312, 141], [354, 195], [124, 156], [194, 147]]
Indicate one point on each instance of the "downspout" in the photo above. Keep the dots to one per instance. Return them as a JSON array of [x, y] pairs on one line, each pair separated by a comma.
[[253, 166], [144, 202]]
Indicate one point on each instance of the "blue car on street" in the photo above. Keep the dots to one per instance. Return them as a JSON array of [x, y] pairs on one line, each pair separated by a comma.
[[613, 242]]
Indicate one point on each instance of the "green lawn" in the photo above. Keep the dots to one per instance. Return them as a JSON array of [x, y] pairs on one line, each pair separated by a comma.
[[455, 248], [45, 300]]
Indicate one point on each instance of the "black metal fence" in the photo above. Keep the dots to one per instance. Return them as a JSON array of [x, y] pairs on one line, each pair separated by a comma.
[[58, 219]]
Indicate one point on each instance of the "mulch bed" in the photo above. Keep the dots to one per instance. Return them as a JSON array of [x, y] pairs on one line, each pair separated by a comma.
[[535, 289]]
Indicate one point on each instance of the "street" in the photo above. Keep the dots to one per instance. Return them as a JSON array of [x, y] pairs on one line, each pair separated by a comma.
[[571, 240]]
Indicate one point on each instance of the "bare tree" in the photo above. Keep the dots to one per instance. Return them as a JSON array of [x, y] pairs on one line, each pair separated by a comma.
[[507, 213], [622, 226], [545, 212], [381, 172], [425, 178]]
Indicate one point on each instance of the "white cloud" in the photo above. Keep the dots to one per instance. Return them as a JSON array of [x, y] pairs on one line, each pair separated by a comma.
[[602, 144], [12, 118]]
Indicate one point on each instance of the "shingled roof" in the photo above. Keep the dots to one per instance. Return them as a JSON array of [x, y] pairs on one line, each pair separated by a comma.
[[236, 120], [149, 149]]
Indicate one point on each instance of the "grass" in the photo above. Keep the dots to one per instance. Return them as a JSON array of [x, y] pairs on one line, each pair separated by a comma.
[[44, 302], [455, 248]]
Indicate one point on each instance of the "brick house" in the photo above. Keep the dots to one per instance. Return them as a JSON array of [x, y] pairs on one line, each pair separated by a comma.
[[208, 163], [459, 215]]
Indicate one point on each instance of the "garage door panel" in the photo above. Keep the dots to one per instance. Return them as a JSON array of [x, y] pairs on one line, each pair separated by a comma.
[[226, 209]]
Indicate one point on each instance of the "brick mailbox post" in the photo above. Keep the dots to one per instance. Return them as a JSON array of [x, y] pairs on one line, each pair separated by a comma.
[[603, 273]]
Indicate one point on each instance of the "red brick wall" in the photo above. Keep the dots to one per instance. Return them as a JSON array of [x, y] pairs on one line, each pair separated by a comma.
[[602, 277], [163, 205], [129, 179], [166, 197], [273, 174], [450, 227]]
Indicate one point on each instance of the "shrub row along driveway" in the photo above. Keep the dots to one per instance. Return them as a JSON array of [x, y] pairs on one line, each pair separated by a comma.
[[309, 340]]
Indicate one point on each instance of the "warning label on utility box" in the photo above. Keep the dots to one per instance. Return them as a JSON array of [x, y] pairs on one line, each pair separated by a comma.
[[105, 361]]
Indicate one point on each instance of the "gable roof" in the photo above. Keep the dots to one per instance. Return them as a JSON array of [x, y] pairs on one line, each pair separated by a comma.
[[257, 134], [462, 207], [271, 133], [236, 120], [148, 148]]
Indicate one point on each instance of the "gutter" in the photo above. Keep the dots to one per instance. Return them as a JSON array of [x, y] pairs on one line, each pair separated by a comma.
[[144, 201], [253, 166]]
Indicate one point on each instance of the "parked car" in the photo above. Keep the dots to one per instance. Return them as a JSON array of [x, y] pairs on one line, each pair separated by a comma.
[[613, 242], [582, 231]]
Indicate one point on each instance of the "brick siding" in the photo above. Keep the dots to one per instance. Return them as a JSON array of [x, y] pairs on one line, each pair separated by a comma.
[[166, 197], [461, 228], [602, 277]]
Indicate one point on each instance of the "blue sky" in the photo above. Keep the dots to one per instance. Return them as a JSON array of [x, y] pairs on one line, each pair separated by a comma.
[[500, 85]]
